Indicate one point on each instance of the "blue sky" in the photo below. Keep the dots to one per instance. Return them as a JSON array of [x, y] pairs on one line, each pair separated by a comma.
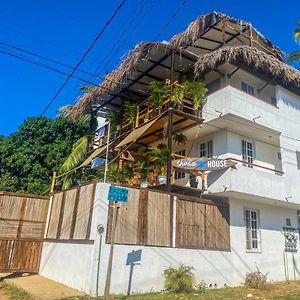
[[63, 30]]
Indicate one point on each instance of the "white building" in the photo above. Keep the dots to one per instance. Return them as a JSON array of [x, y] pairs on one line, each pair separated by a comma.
[[251, 116]]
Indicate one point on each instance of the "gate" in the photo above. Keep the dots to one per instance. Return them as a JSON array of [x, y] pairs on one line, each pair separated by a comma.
[[22, 227]]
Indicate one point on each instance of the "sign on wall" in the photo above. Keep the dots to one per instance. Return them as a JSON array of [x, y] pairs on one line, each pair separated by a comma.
[[202, 164], [117, 194], [291, 239]]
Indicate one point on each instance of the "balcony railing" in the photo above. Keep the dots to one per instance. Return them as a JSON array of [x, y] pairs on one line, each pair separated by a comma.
[[146, 112]]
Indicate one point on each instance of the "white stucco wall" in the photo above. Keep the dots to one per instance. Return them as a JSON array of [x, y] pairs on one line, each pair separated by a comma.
[[214, 267], [75, 265]]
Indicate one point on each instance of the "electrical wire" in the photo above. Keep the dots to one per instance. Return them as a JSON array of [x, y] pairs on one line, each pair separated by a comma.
[[43, 66], [46, 58], [83, 57]]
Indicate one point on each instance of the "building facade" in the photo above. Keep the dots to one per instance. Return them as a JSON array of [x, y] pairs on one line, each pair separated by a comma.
[[245, 217]]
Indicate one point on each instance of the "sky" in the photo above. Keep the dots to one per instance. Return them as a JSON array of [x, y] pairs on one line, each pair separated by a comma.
[[63, 30]]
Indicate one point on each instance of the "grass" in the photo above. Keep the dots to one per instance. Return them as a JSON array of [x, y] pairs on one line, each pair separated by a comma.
[[276, 291], [12, 293]]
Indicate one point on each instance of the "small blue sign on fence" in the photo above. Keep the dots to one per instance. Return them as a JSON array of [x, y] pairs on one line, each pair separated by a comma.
[[117, 194]]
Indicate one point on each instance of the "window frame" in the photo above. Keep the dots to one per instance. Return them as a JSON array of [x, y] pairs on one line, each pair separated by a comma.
[[258, 231], [247, 88], [245, 160], [207, 153], [180, 175]]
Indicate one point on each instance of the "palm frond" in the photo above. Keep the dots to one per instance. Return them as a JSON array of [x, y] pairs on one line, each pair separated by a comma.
[[77, 155], [294, 56]]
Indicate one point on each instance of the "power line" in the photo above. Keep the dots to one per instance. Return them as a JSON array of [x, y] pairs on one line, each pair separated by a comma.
[[46, 58], [174, 15], [43, 66], [83, 57]]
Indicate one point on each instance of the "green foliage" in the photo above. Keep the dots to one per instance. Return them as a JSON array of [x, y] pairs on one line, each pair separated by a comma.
[[39, 147], [179, 279], [141, 168], [295, 56], [115, 121], [202, 287], [196, 91], [158, 92], [77, 156], [159, 155], [130, 111], [179, 138], [256, 280]]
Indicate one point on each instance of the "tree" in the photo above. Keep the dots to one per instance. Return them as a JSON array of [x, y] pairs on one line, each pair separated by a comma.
[[295, 56], [39, 147]]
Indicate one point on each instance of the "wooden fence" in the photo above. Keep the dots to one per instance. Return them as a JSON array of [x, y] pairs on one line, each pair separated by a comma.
[[22, 226], [71, 215], [148, 219]]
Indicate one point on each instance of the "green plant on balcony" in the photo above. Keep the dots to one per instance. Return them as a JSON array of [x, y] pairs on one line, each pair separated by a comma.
[[179, 138], [159, 155], [115, 122], [158, 92], [196, 91], [130, 111]]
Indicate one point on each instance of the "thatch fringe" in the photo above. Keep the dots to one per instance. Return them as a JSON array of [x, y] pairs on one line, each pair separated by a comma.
[[253, 58], [117, 78], [202, 23], [128, 67]]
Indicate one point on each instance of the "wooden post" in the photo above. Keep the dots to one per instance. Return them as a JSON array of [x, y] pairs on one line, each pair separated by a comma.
[[111, 253], [250, 36], [170, 126], [53, 183]]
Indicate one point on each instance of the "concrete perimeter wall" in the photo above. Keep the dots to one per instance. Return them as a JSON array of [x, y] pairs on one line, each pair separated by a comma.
[[76, 265]]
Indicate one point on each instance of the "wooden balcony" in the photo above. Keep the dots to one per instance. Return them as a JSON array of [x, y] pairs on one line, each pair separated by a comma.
[[146, 112]]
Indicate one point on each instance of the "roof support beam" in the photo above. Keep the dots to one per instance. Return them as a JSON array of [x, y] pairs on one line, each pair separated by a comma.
[[266, 84], [211, 40], [232, 73], [202, 48]]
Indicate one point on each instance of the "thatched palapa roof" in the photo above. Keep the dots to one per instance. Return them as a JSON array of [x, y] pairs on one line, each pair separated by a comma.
[[146, 62], [253, 59]]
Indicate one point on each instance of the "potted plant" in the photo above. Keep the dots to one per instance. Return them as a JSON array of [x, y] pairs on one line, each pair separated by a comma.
[[115, 122], [178, 95], [179, 138], [130, 111], [158, 92], [141, 169], [159, 155], [196, 91]]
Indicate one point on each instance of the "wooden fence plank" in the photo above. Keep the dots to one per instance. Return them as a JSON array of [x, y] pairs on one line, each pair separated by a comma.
[[159, 219]]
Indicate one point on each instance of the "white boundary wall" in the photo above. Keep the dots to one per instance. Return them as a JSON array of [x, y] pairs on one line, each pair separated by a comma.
[[75, 265]]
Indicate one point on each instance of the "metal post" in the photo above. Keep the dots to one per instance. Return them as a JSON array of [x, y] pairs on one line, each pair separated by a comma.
[[107, 149], [111, 254]]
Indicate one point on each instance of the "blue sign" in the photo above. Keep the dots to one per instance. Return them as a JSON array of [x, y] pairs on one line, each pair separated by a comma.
[[117, 194]]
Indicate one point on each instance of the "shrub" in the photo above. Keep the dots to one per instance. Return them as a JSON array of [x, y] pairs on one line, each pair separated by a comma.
[[202, 287], [256, 280], [179, 279]]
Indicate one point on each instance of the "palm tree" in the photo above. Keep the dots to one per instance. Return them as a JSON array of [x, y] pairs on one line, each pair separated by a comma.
[[79, 151], [295, 56]]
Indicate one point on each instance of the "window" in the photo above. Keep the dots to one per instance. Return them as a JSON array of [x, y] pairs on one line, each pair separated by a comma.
[[298, 159], [247, 88], [206, 149], [288, 222], [252, 230], [214, 86], [179, 175], [248, 152]]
